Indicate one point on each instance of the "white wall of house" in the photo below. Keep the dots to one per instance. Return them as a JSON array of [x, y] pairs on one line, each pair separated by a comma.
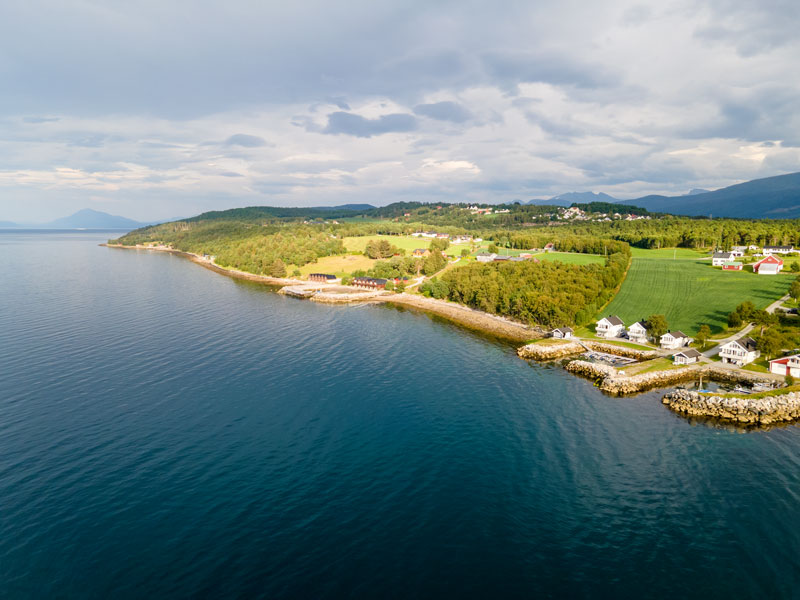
[[736, 354]]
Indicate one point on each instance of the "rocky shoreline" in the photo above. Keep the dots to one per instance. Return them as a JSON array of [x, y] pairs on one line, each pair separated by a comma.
[[750, 411]]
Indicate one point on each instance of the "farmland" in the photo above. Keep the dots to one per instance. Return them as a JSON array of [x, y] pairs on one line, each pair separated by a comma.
[[408, 243], [338, 265], [689, 292], [573, 258]]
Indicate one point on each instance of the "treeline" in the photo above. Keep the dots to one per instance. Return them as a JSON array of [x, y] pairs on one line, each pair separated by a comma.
[[549, 294]]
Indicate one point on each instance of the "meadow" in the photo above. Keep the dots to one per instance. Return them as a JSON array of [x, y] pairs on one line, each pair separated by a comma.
[[690, 292], [573, 258], [337, 265]]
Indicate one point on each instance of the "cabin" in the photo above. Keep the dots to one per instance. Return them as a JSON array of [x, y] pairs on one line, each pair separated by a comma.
[[420, 252], [549, 247], [609, 327], [769, 265], [501, 258], [738, 251], [739, 352], [768, 250], [485, 257], [720, 258], [788, 365], [563, 333], [638, 332], [732, 266], [369, 283], [322, 277], [686, 357], [674, 339]]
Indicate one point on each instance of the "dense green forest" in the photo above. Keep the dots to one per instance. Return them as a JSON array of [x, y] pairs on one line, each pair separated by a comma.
[[546, 293]]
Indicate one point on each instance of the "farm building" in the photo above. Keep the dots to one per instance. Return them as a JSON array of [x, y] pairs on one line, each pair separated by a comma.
[[732, 266], [638, 332], [609, 327], [418, 252], [739, 352], [770, 265], [549, 247], [525, 255], [563, 333], [500, 258], [788, 365], [674, 339], [369, 282], [324, 277], [778, 250], [720, 258], [485, 257], [686, 357]]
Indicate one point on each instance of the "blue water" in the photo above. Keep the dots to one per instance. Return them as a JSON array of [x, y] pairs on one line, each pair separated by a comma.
[[169, 432]]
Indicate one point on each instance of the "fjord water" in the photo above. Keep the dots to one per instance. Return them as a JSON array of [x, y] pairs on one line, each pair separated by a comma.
[[167, 431]]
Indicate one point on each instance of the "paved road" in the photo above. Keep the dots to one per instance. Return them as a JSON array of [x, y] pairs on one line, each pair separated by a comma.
[[770, 309]]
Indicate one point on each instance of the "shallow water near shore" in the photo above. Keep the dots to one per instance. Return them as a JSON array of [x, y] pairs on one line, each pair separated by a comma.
[[167, 431]]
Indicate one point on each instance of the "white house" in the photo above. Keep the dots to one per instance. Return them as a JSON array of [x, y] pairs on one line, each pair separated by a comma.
[[778, 249], [675, 339], [769, 265], [485, 257], [563, 333], [739, 250], [788, 365], [686, 357], [720, 258], [638, 332], [739, 352], [609, 327]]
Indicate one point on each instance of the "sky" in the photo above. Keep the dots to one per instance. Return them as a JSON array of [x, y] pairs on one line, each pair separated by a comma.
[[156, 110]]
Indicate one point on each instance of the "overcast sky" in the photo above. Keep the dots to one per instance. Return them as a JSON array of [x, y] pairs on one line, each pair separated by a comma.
[[158, 109]]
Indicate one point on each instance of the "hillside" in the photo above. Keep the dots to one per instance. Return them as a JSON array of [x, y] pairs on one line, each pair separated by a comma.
[[92, 219], [771, 198]]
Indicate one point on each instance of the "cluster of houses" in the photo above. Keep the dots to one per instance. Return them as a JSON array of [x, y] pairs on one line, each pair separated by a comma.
[[454, 239], [487, 257], [477, 210], [769, 265], [371, 283], [576, 214]]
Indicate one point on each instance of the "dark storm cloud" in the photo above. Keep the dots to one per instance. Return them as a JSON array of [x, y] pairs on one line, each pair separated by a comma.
[[443, 111], [358, 126]]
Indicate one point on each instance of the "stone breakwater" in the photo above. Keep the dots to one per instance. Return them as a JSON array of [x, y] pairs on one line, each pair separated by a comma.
[[622, 350], [550, 351], [613, 382], [761, 411]]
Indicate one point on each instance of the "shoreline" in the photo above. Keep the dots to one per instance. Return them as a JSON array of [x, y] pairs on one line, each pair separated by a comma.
[[464, 316]]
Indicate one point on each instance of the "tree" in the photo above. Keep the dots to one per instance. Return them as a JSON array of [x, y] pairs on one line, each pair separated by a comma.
[[433, 263], [400, 287], [439, 244], [390, 285], [657, 325], [277, 268], [763, 318], [296, 273], [734, 320], [789, 380], [464, 252], [769, 343], [794, 290], [347, 279], [703, 334], [795, 267], [493, 248]]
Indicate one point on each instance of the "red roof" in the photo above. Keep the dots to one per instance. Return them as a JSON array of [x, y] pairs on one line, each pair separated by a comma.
[[771, 259]]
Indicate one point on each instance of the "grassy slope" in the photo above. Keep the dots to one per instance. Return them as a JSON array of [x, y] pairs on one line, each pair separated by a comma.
[[688, 291], [337, 265], [572, 258]]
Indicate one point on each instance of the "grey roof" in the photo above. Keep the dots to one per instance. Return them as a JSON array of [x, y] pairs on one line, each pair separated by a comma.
[[564, 329], [726, 255], [677, 334], [690, 353], [748, 343], [614, 320]]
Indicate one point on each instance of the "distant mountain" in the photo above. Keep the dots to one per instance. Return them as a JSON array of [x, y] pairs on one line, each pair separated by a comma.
[[347, 207], [570, 198], [769, 198], [92, 219], [696, 191]]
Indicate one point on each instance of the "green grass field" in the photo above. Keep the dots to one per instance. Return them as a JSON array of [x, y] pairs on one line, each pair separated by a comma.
[[359, 244], [690, 292], [572, 258]]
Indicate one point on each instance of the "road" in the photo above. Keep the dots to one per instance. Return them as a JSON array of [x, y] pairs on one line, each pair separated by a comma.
[[770, 309]]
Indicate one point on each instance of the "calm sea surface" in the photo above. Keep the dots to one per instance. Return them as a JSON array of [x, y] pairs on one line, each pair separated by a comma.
[[167, 431]]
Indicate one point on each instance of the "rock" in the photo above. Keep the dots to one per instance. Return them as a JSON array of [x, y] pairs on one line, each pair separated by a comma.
[[549, 351], [763, 411]]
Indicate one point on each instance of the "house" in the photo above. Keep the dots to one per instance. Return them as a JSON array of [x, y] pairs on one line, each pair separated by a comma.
[[686, 357], [739, 352], [549, 247], [638, 332], [485, 257], [674, 339], [609, 327], [788, 365], [369, 282], [323, 277], [563, 333], [420, 252], [720, 258], [738, 251], [501, 258], [732, 266], [778, 250], [769, 265], [526, 255]]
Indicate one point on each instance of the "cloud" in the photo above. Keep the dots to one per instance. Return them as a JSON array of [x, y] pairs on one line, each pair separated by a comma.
[[40, 119], [245, 141], [358, 126], [443, 111]]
